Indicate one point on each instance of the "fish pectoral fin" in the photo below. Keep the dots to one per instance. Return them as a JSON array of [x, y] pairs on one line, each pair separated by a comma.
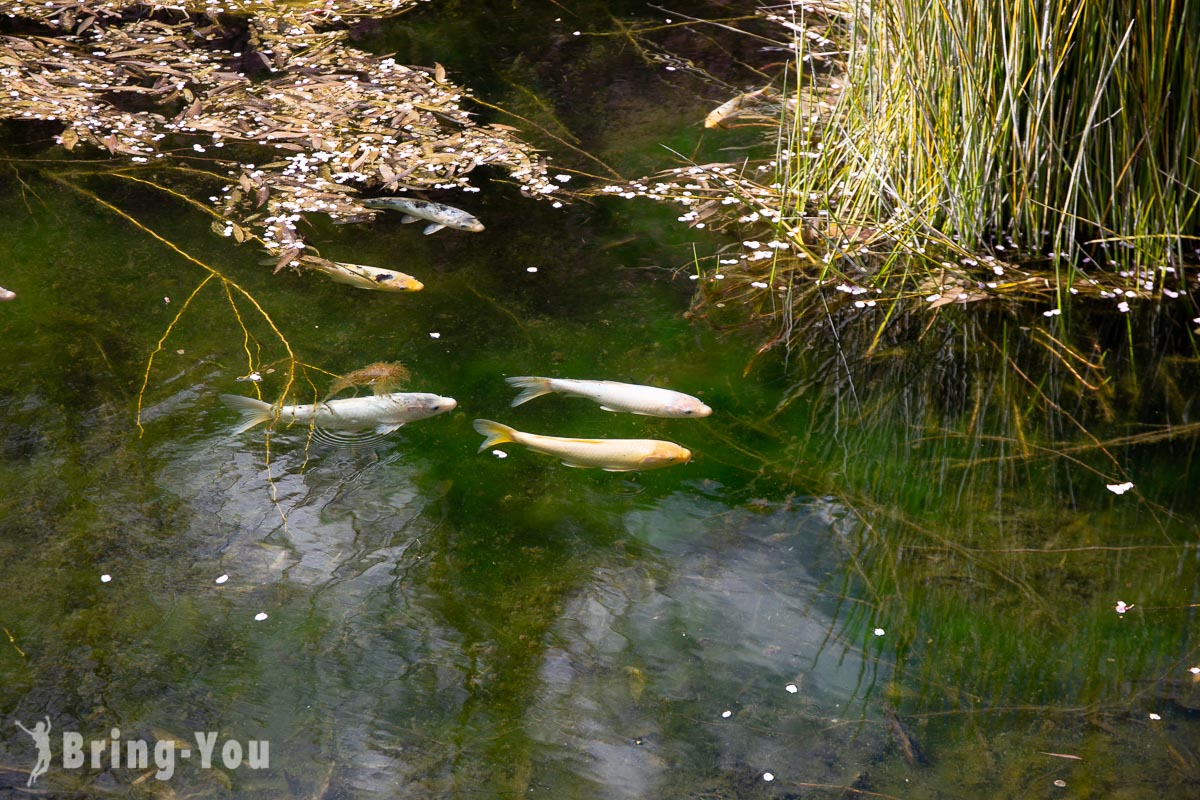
[[433, 227], [610, 408], [383, 429], [620, 469], [407, 218]]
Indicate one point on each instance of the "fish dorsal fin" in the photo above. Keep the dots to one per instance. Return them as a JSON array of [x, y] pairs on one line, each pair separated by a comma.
[[433, 227]]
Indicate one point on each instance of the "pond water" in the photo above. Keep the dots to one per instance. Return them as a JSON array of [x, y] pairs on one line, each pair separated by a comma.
[[902, 576]]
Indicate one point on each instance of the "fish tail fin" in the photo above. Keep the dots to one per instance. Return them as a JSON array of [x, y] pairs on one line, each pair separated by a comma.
[[533, 387], [254, 412], [495, 433]]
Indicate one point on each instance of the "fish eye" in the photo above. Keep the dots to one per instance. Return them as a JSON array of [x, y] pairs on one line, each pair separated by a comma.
[[687, 412]]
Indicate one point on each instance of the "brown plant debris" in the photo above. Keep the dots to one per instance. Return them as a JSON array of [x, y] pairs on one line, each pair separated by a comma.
[[296, 120], [382, 376]]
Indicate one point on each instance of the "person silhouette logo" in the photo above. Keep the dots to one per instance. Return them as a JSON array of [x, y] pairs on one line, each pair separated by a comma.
[[41, 740]]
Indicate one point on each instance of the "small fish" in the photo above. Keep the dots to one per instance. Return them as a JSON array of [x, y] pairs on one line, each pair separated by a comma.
[[637, 683], [439, 216], [913, 754], [6, 294], [610, 455], [612, 396], [365, 277], [382, 413], [731, 108]]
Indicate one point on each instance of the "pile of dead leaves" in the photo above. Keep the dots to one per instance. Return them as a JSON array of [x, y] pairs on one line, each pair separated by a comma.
[[269, 98]]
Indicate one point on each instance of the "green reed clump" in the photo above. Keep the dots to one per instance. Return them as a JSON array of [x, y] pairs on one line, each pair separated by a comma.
[[1071, 126]]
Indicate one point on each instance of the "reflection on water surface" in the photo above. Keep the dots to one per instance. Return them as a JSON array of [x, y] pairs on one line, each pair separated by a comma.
[[865, 556]]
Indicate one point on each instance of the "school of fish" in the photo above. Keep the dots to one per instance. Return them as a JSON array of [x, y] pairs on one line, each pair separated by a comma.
[[384, 413], [379, 279]]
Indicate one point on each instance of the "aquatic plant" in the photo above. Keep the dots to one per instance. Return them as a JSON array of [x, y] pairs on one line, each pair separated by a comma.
[[913, 304], [1067, 125], [960, 153]]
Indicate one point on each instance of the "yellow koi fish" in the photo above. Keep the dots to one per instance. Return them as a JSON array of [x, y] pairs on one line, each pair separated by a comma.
[[366, 277], [610, 455], [731, 108]]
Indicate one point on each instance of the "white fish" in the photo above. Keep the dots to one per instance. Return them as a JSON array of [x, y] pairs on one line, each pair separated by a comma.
[[382, 413], [612, 396], [610, 455], [6, 294], [366, 277], [439, 216]]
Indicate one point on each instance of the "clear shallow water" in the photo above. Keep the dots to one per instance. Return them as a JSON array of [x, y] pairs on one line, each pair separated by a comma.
[[446, 623]]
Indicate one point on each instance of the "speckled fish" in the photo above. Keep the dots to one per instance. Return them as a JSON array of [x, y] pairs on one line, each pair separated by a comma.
[[365, 277], [439, 216], [610, 455], [381, 413], [612, 396]]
